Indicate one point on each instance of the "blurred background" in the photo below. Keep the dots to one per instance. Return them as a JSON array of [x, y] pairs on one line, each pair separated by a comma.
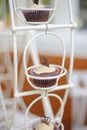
[[75, 114]]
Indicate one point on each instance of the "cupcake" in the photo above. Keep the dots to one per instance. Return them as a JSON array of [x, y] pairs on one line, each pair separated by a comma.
[[35, 14], [47, 124], [46, 74]]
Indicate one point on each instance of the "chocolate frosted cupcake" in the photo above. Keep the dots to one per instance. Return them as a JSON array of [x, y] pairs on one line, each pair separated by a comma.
[[35, 13], [46, 74]]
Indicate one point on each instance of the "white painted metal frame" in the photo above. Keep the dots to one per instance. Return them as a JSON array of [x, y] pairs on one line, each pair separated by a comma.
[[63, 71], [15, 28], [79, 97], [28, 123], [2, 100]]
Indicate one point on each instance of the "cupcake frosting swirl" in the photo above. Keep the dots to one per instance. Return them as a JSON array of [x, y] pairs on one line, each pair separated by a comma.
[[36, 6], [43, 126], [44, 69]]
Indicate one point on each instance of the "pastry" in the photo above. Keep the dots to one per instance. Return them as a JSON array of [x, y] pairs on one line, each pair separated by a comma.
[[35, 14], [46, 124], [48, 73]]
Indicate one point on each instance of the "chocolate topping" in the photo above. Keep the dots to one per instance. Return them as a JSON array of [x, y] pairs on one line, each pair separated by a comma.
[[36, 1], [45, 61], [46, 120]]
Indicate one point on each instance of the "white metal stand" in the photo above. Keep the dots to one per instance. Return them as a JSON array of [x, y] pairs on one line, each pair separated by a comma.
[[45, 93], [4, 107], [79, 97]]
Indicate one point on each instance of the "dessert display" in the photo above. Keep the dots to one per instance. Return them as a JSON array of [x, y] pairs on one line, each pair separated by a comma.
[[47, 72], [36, 12], [44, 76], [46, 124]]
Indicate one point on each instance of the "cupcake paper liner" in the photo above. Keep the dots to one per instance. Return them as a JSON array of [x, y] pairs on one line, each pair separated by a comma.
[[36, 15], [44, 83]]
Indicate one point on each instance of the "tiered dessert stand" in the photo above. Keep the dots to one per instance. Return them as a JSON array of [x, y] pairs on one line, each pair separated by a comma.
[[45, 93]]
